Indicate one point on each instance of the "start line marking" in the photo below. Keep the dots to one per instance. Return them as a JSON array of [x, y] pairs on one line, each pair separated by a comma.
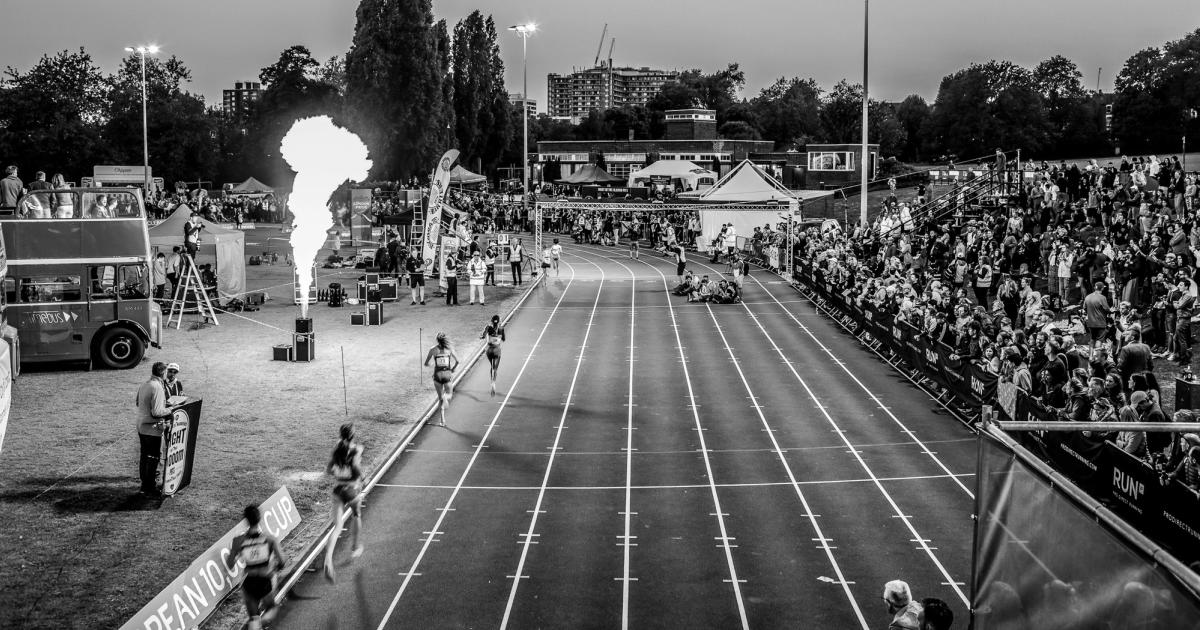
[[679, 487]]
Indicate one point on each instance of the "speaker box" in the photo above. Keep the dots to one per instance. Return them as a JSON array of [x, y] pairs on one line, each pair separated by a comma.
[[374, 296], [358, 319], [282, 352], [305, 347], [374, 314], [304, 325]]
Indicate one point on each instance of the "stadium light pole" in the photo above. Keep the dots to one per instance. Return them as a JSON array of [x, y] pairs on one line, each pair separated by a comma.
[[525, 30], [143, 51], [865, 157]]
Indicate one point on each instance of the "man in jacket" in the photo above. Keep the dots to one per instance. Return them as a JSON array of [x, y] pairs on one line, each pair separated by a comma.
[[476, 272], [152, 414], [11, 188], [901, 606], [1134, 356]]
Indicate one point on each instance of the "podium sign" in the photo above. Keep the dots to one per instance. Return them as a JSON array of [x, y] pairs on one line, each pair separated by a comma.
[[179, 448]]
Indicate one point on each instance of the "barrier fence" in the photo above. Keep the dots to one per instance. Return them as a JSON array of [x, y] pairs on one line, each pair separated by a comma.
[[1168, 513]]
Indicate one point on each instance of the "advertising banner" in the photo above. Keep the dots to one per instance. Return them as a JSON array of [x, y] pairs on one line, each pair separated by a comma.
[[197, 592], [439, 181], [5, 389], [179, 448], [360, 216]]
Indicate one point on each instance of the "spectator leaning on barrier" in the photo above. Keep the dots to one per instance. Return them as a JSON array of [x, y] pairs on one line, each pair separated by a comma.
[[1188, 469]]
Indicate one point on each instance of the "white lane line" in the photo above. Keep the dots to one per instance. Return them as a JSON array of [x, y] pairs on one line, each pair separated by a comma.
[[537, 508], [867, 469], [865, 389], [437, 526], [761, 484], [724, 538], [718, 450], [627, 537], [837, 569]]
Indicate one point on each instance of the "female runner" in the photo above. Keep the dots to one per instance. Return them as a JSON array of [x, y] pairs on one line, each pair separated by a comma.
[[444, 364], [494, 333], [345, 465]]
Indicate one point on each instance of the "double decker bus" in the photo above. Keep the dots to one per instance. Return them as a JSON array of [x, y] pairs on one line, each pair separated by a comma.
[[78, 284]]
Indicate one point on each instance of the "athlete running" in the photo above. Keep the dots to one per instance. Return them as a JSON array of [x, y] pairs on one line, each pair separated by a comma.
[[555, 255], [345, 466], [494, 333], [444, 364], [262, 555]]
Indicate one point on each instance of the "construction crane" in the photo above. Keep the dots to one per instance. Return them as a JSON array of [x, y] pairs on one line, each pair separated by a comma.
[[611, 43], [600, 47]]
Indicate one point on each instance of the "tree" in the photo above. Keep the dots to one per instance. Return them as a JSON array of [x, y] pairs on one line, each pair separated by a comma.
[[394, 86], [482, 124], [1060, 84], [181, 132], [333, 73], [717, 91], [989, 106], [51, 116], [912, 113], [788, 112], [738, 130], [1155, 91], [841, 119]]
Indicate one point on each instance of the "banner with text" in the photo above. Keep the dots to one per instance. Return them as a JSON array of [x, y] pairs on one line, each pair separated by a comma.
[[197, 592]]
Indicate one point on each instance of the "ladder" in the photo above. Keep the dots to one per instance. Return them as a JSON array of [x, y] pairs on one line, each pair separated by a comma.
[[192, 287], [416, 237]]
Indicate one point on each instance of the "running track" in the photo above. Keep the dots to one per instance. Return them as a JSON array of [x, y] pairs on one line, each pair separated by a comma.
[[649, 463]]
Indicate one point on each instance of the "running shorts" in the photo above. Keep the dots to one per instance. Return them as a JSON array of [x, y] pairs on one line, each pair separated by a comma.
[[442, 376], [257, 586]]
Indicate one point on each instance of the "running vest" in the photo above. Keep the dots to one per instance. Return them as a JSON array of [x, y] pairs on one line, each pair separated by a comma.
[[256, 551], [441, 361], [493, 336]]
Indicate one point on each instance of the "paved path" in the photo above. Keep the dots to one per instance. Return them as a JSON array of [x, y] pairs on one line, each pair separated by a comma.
[[649, 463]]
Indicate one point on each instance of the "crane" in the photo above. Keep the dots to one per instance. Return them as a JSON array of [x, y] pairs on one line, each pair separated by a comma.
[[611, 43], [600, 47]]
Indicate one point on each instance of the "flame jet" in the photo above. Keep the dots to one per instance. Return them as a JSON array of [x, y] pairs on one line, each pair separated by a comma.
[[323, 156]]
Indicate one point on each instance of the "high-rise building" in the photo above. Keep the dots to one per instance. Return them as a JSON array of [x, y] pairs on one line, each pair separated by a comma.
[[603, 87], [236, 102], [516, 98]]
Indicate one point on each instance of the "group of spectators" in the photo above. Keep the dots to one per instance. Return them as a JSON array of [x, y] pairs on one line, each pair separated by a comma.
[[1107, 255]]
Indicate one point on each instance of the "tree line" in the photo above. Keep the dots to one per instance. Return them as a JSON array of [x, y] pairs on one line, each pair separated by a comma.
[[413, 88]]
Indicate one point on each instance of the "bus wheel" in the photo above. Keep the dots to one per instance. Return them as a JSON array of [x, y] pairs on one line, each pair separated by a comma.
[[120, 348]]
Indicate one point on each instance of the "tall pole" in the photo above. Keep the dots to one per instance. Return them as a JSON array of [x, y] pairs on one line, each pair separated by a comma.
[[145, 136], [866, 156], [525, 121]]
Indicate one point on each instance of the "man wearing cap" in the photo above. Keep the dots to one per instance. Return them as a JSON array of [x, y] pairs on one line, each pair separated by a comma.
[[905, 612], [476, 273], [173, 385]]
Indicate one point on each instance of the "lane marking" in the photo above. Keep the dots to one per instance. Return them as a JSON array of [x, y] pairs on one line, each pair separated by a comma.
[[719, 450], [412, 571], [858, 456], [627, 537], [537, 509], [764, 484], [733, 575], [865, 389], [837, 569]]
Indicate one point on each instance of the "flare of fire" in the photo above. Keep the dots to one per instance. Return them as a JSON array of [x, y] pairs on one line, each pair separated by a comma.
[[323, 156]]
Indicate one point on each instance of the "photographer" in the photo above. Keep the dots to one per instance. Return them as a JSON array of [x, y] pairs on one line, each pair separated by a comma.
[[151, 402], [191, 235]]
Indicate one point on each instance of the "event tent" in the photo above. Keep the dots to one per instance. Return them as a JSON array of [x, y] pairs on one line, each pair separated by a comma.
[[589, 174], [225, 246], [686, 173], [747, 183], [251, 187], [463, 177]]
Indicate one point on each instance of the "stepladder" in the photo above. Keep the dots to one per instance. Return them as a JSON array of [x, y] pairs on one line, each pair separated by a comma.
[[189, 294]]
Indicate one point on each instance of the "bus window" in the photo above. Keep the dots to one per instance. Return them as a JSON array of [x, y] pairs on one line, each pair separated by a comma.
[[10, 290], [37, 205], [103, 282], [109, 205], [47, 289], [134, 282]]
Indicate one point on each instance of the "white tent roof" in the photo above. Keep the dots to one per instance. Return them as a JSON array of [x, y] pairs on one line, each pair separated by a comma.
[[748, 182], [670, 168], [230, 248]]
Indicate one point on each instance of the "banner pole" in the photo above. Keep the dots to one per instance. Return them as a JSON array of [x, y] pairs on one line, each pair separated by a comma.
[[345, 396]]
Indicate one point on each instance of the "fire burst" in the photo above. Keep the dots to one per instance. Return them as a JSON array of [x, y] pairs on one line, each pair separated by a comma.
[[323, 156]]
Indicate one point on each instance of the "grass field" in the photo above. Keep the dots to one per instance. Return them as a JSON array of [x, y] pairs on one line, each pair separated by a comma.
[[82, 550]]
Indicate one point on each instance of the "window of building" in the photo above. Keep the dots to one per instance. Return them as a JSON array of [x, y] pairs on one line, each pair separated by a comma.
[[831, 161]]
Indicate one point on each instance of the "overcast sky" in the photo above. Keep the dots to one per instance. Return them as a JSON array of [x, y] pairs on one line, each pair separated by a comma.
[[914, 43]]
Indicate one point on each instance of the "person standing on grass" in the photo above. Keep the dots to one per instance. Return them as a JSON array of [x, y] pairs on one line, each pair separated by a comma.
[[451, 275], [445, 362], [152, 418], [171, 383], [494, 333], [516, 256], [263, 556], [345, 466], [489, 261], [416, 277], [158, 275], [476, 273]]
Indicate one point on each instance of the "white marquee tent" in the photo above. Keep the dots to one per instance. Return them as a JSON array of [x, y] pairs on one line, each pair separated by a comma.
[[688, 173], [750, 184], [224, 246]]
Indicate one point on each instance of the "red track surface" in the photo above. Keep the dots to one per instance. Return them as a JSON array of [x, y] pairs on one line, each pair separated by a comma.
[[650, 463]]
